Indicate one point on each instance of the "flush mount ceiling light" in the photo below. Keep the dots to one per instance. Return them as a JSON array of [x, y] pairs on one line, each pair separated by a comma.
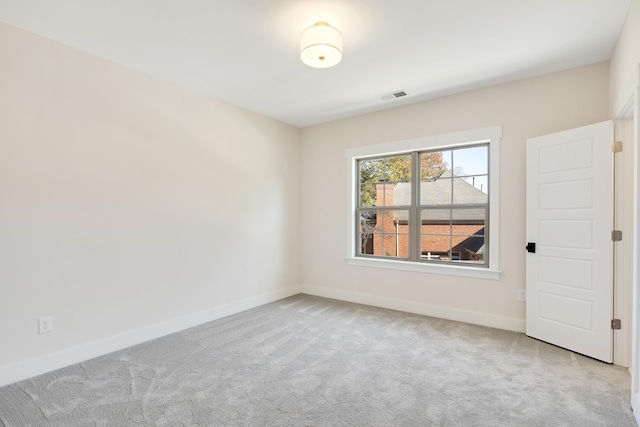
[[321, 46]]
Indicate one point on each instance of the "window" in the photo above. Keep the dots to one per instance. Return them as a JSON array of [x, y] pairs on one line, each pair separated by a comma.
[[429, 204]]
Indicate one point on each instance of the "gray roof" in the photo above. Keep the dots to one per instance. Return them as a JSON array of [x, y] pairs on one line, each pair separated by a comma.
[[438, 192]]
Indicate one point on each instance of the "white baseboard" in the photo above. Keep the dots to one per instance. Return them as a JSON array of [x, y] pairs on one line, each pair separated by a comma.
[[476, 318], [20, 371]]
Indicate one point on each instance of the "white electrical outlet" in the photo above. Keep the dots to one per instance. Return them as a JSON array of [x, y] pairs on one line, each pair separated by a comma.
[[522, 295], [45, 324]]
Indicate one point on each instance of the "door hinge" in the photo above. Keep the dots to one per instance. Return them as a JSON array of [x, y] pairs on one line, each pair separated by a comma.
[[616, 324], [616, 235], [616, 146]]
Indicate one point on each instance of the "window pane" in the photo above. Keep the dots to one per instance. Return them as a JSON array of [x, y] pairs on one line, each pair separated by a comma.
[[385, 194], [469, 216], [435, 234], [469, 248], [369, 173], [435, 247], [480, 182], [436, 192], [384, 232], [385, 181], [435, 182], [397, 169], [433, 164], [367, 220], [368, 195], [471, 161], [435, 216], [468, 234], [400, 196], [465, 193]]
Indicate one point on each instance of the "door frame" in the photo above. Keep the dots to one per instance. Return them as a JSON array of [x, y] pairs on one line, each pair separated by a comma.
[[627, 107], [623, 263]]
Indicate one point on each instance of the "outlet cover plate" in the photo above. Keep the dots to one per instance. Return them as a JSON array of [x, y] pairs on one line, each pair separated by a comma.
[[522, 295], [45, 324]]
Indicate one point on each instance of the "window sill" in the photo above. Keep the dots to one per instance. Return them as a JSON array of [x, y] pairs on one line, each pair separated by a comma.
[[448, 270]]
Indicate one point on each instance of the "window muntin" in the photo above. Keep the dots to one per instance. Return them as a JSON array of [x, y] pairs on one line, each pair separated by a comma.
[[446, 195]]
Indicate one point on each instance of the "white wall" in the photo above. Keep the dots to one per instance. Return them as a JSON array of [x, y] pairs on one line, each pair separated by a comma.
[[127, 203], [625, 59], [525, 109]]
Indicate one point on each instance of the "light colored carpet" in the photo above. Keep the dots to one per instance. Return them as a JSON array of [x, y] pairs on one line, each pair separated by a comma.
[[310, 361]]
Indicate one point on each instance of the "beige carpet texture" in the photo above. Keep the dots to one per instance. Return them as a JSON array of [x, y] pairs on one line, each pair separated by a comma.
[[310, 361]]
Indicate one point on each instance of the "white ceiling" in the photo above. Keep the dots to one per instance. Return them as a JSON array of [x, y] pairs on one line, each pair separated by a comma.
[[246, 51]]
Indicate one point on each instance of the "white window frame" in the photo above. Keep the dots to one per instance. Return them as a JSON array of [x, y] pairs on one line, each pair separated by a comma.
[[490, 135]]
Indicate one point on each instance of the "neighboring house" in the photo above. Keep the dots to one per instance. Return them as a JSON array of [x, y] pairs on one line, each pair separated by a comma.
[[446, 233]]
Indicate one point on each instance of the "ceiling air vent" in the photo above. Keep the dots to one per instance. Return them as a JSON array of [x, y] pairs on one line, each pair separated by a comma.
[[393, 95]]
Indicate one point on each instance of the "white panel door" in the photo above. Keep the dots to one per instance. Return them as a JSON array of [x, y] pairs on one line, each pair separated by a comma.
[[569, 218]]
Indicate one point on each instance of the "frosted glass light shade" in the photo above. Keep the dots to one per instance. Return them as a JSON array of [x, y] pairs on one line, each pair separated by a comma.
[[321, 46]]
